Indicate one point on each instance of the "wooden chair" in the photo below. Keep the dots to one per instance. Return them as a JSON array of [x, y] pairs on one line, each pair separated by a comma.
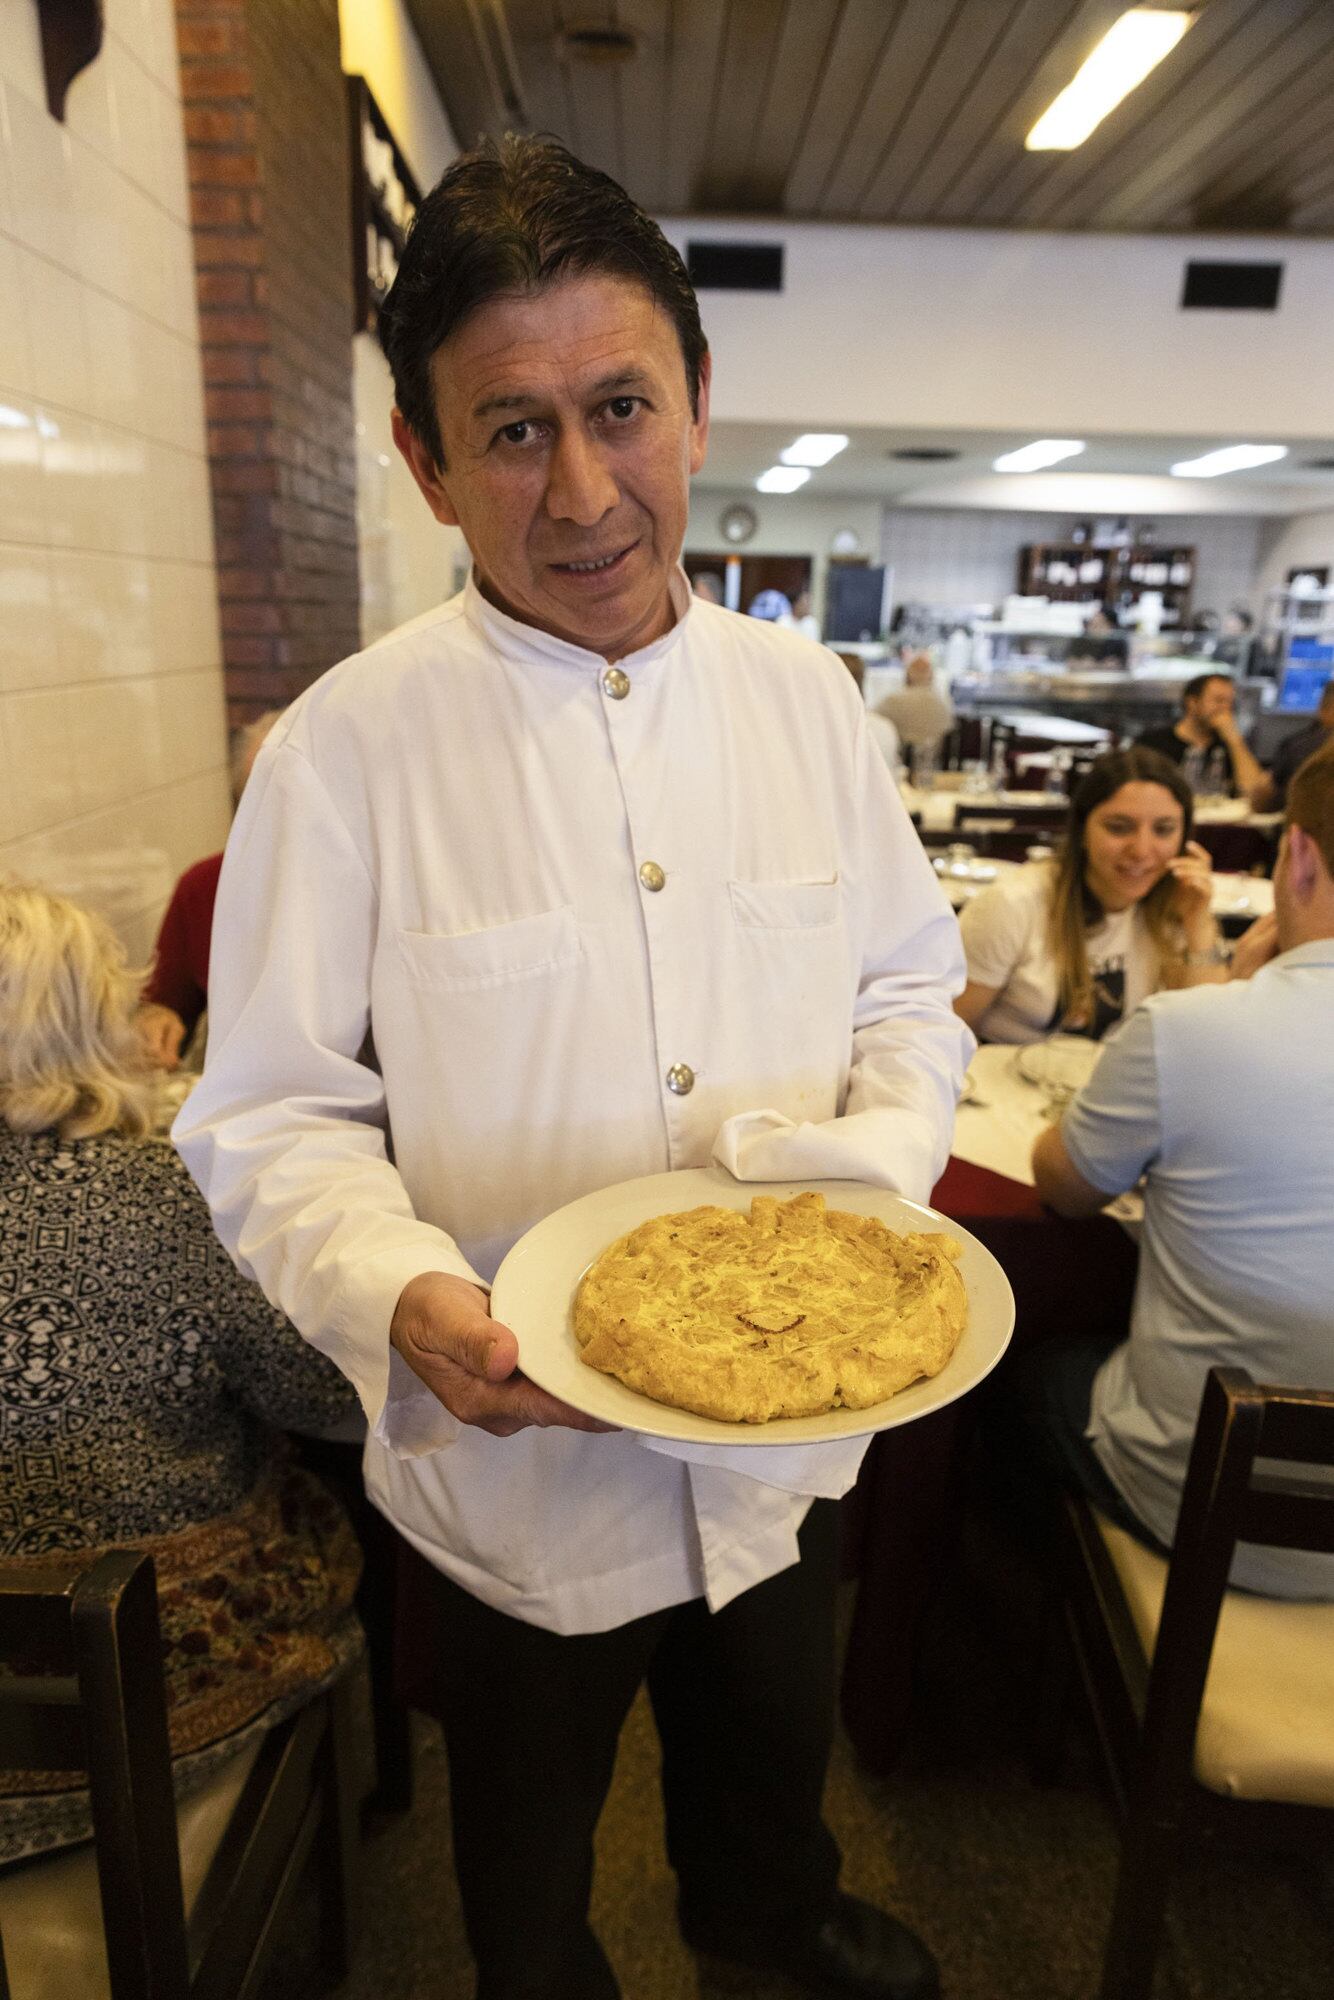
[[1213, 1708], [81, 1689]]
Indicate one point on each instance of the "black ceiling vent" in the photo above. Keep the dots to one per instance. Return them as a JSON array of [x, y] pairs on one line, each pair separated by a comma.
[[1232, 287], [596, 42], [924, 454], [735, 267]]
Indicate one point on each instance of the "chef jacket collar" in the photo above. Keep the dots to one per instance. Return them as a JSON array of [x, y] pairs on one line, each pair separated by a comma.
[[525, 642]]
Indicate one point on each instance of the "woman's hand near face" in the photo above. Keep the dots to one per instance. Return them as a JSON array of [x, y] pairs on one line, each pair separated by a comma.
[[1192, 899]]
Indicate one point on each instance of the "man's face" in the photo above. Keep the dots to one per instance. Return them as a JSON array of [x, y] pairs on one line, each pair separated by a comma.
[[568, 443], [1214, 702]]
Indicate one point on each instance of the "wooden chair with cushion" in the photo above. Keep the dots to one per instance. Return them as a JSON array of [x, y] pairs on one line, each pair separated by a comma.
[[1213, 1708], [168, 1911]]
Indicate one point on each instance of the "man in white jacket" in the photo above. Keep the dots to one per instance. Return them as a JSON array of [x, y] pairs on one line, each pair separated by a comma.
[[573, 880]]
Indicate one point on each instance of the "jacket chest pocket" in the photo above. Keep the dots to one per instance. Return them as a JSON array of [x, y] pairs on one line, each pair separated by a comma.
[[785, 906], [501, 955]]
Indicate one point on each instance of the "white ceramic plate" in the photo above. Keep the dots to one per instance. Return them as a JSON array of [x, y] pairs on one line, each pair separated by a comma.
[[535, 1286]]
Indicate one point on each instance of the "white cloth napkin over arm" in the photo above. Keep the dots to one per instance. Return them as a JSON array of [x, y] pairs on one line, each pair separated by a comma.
[[820, 1471]]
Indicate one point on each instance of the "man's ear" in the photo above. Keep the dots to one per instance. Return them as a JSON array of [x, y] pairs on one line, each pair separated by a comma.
[[1304, 860], [699, 433], [424, 470]]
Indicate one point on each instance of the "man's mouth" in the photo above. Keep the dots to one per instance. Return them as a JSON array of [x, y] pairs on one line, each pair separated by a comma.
[[593, 565]]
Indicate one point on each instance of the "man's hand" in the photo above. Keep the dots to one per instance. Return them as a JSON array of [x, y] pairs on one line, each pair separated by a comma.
[[1255, 947], [442, 1327], [162, 1032]]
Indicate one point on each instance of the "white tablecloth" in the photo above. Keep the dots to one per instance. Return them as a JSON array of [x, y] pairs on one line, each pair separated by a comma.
[[1001, 1115], [1001, 1118]]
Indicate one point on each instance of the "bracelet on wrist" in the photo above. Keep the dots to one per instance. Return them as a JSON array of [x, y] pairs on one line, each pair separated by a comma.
[[1218, 953]]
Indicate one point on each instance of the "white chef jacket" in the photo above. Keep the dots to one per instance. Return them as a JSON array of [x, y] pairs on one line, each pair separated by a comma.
[[444, 1001]]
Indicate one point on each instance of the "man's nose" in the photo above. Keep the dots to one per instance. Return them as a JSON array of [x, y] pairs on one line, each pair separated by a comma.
[[580, 487]]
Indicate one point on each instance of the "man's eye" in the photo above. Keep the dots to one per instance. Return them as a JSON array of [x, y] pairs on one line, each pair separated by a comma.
[[520, 432], [623, 407]]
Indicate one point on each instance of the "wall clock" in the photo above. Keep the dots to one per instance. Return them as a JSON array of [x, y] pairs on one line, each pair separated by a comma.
[[738, 524]]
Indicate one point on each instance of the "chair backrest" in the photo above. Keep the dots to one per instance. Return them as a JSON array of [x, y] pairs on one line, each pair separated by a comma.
[[1232, 1495], [81, 1689]]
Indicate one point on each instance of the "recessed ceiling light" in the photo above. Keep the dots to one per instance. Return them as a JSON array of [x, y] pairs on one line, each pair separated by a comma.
[[1132, 47], [1231, 458], [924, 454], [814, 448], [783, 478], [1032, 457]]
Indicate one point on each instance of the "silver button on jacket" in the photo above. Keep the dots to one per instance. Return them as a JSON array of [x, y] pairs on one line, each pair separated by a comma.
[[616, 684], [651, 875], [681, 1079]]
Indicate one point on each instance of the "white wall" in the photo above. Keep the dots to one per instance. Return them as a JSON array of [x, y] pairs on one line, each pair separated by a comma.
[[958, 556], [112, 733], [790, 524], [987, 329], [1285, 545], [408, 561], [380, 43]]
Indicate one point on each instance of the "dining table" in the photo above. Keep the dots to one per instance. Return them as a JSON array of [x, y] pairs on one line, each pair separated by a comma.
[[1067, 1276]]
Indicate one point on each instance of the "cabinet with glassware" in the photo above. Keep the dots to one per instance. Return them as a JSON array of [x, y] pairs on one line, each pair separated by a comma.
[[1114, 578]]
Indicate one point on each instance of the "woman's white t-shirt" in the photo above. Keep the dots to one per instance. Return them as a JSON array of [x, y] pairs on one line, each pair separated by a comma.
[[1005, 939]]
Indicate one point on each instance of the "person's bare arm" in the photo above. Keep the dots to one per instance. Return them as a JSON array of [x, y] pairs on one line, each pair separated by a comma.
[[1248, 773], [1060, 1183], [1255, 947], [1263, 794], [974, 1001], [162, 1032], [443, 1329], [1192, 904]]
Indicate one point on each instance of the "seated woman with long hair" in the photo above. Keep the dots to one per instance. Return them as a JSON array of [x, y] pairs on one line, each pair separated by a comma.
[[142, 1378], [1124, 909]]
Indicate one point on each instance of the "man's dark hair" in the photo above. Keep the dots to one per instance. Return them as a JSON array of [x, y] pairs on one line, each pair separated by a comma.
[[505, 220], [1311, 801], [1199, 682]]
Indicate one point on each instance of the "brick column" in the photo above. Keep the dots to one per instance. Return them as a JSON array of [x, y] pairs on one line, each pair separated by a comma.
[[266, 136]]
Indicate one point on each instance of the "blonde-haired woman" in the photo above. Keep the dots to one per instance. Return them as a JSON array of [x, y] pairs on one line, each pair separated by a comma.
[[1124, 909], [140, 1375]]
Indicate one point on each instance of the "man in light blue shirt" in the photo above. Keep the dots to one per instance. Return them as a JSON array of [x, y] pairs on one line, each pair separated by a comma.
[[1222, 1099]]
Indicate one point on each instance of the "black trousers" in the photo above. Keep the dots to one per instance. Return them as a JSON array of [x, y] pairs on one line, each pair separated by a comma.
[[744, 1705]]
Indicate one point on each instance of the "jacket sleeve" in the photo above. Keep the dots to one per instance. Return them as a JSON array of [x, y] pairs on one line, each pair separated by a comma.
[[285, 1134], [909, 1049]]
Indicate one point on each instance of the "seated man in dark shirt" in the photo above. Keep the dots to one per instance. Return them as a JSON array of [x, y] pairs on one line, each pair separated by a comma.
[[1207, 743], [1294, 750]]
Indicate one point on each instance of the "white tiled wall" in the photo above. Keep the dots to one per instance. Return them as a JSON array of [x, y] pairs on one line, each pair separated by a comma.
[[112, 733]]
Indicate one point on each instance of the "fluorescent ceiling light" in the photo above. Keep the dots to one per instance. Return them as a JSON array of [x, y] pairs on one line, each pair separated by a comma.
[[814, 448], [1132, 47], [1231, 458], [783, 478], [1032, 457]]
